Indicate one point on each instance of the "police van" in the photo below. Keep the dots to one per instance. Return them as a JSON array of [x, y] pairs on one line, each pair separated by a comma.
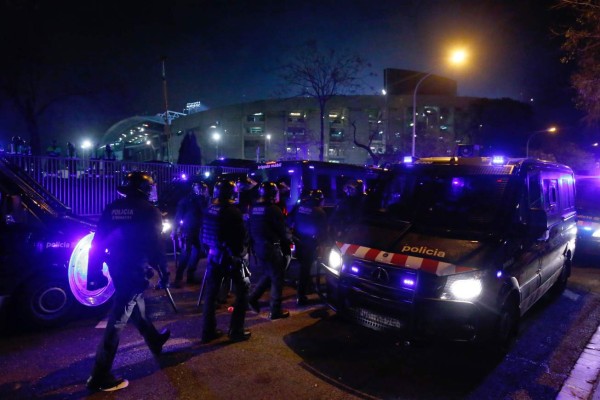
[[588, 215], [302, 176], [456, 248], [39, 237]]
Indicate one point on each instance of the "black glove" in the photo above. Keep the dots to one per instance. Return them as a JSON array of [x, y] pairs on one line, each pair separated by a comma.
[[96, 281], [95, 278]]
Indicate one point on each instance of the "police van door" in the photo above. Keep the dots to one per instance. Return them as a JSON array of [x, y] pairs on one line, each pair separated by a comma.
[[561, 218]]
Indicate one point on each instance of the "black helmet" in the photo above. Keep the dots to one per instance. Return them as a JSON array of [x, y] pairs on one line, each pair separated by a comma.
[[268, 191], [138, 183], [200, 189], [225, 191], [354, 187], [315, 197]]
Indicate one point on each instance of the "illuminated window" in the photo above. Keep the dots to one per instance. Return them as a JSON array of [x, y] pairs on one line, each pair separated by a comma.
[[256, 117], [254, 130], [296, 117], [336, 135]]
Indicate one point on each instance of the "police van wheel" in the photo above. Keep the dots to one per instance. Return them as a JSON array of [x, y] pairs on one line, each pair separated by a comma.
[[46, 301], [507, 326], [561, 284]]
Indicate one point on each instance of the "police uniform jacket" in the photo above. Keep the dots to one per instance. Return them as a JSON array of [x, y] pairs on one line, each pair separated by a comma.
[[130, 231], [267, 228], [224, 229], [309, 224], [189, 215]]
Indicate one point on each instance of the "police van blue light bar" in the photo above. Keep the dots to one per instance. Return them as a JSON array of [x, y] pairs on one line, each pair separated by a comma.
[[498, 160]]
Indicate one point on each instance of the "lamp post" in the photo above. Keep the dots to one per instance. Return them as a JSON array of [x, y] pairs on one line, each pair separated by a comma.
[[457, 57], [551, 129], [216, 137], [267, 142]]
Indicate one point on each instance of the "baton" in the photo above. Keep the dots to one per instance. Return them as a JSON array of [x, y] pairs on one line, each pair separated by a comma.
[[168, 292], [202, 287], [175, 251]]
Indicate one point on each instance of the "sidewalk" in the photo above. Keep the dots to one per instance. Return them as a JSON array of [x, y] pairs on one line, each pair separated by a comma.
[[584, 379]]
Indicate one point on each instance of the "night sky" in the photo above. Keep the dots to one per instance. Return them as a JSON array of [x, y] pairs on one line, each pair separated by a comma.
[[108, 53]]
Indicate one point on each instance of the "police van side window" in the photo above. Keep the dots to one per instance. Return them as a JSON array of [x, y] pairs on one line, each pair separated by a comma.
[[551, 196], [535, 191]]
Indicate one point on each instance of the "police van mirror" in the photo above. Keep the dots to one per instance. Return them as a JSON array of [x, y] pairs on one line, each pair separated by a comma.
[[538, 224]]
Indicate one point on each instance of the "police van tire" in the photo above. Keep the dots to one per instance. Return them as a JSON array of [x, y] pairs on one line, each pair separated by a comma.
[[561, 283], [46, 301], [507, 326]]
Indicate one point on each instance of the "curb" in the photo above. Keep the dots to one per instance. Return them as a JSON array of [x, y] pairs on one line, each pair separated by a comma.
[[583, 380]]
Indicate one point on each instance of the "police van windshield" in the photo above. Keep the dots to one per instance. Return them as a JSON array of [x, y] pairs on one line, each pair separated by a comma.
[[461, 202]]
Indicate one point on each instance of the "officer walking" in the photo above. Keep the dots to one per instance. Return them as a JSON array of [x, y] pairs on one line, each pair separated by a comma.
[[128, 240], [271, 245], [309, 224], [225, 234], [188, 220]]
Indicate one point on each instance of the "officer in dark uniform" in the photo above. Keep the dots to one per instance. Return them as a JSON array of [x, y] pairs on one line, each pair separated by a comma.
[[225, 234], [128, 240], [309, 225], [188, 220], [271, 245], [349, 207]]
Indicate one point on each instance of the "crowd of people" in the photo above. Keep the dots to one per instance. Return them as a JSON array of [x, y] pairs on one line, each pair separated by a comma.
[[240, 221]]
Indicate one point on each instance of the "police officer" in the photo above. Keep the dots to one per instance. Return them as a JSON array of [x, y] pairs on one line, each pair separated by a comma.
[[349, 207], [128, 240], [309, 224], [188, 220], [271, 245], [225, 234]]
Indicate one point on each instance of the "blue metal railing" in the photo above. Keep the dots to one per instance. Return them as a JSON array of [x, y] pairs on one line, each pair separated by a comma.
[[87, 185]]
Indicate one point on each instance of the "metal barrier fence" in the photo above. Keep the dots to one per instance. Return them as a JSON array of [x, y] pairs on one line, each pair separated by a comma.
[[87, 185]]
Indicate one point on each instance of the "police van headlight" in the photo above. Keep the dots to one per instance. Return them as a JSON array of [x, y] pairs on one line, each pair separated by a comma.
[[465, 287], [166, 226], [334, 262]]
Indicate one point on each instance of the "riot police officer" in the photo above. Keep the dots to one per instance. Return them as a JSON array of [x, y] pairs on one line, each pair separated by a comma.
[[349, 207], [128, 240], [225, 234], [188, 220], [271, 245], [309, 224]]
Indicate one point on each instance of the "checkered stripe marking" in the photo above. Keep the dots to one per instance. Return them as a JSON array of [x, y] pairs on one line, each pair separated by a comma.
[[401, 260]]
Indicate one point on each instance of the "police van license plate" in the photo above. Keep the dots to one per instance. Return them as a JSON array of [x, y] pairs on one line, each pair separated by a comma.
[[372, 318]]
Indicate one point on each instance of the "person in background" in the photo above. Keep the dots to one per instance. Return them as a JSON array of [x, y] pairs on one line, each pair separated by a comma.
[[309, 226], [271, 244], [224, 233], [128, 239], [349, 207], [53, 150], [188, 225]]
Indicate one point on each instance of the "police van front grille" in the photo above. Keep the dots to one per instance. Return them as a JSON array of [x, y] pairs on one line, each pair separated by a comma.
[[381, 281]]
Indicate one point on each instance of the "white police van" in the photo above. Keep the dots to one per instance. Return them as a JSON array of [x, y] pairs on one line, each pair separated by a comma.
[[456, 248]]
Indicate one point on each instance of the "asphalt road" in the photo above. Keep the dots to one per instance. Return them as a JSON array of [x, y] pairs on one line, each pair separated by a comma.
[[311, 355]]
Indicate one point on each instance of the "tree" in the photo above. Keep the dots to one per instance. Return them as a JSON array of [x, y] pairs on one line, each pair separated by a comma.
[[367, 147], [323, 74], [582, 46], [189, 151]]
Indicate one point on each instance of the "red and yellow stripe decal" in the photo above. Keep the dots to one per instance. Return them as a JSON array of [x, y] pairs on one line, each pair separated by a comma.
[[401, 260]]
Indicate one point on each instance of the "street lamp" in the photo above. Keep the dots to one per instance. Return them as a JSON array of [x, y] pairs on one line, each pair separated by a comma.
[[456, 57], [216, 137], [267, 142], [551, 129]]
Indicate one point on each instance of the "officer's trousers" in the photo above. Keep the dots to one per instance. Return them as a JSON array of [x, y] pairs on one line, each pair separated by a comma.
[[273, 274], [127, 304], [216, 273]]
